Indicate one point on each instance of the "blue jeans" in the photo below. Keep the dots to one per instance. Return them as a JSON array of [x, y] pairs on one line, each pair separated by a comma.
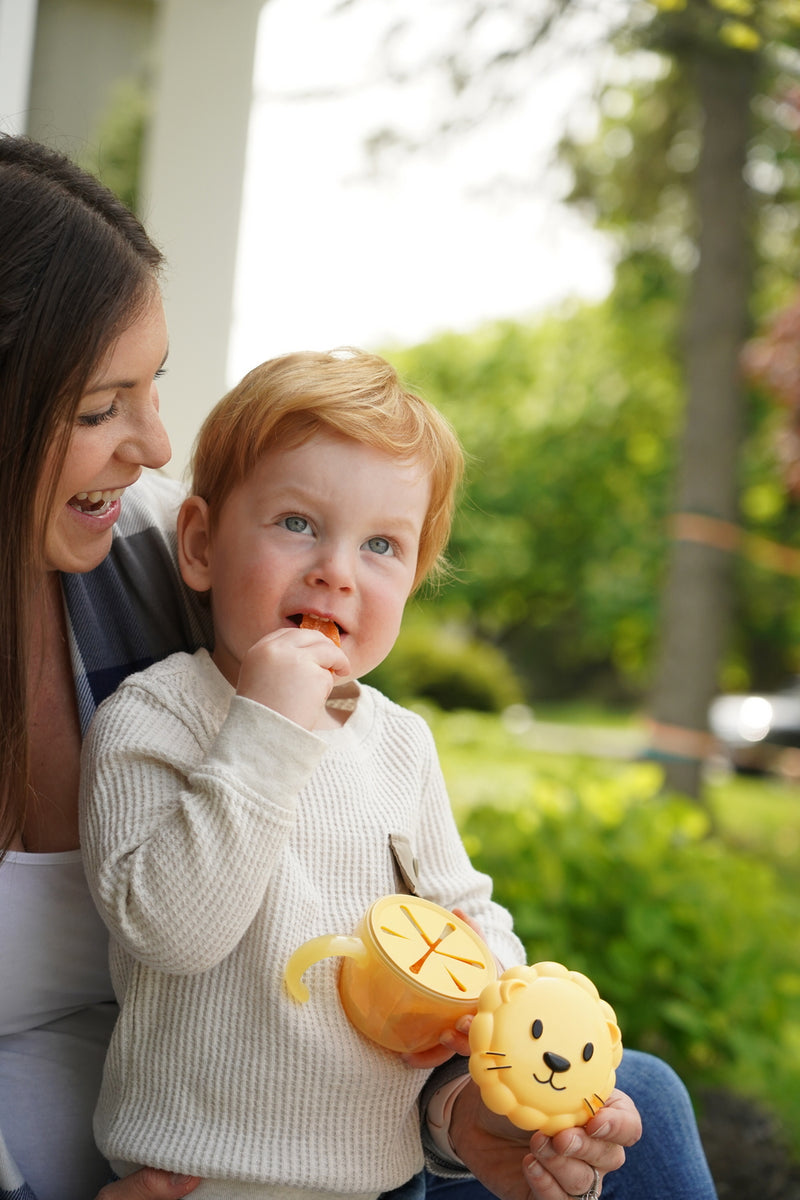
[[413, 1189], [667, 1163]]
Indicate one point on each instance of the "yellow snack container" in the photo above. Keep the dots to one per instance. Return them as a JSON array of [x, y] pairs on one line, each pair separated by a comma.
[[409, 971]]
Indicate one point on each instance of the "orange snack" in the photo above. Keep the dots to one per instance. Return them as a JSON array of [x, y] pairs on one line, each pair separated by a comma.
[[309, 621]]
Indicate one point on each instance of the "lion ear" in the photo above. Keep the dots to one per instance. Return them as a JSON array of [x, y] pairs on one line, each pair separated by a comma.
[[616, 1042], [508, 987]]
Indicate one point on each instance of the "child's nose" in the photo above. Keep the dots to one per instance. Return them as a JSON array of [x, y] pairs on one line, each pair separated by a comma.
[[333, 567]]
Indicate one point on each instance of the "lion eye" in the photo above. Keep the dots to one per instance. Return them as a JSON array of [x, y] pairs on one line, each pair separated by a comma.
[[537, 1029], [588, 1051]]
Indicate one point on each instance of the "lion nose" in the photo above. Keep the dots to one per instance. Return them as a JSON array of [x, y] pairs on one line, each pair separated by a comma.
[[555, 1062]]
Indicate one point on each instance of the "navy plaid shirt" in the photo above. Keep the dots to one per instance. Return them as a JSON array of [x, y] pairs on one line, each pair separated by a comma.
[[133, 609]]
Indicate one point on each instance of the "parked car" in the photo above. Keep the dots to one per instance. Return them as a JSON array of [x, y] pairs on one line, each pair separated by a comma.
[[759, 732]]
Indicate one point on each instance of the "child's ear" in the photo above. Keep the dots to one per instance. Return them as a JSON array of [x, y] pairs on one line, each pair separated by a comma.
[[194, 544]]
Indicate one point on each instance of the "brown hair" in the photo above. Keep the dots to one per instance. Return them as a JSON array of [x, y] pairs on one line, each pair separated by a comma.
[[357, 395], [76, 269]]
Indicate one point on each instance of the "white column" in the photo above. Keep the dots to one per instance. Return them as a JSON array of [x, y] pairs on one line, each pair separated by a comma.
[[17, 33], [193, 177]]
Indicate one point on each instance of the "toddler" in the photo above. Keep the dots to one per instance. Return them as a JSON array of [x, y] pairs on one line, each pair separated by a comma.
[[240, 802]]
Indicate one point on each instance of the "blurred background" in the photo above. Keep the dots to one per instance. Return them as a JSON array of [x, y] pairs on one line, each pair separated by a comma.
[[575, 226]]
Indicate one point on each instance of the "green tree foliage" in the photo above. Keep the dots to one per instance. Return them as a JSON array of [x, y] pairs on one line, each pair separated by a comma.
[[440, 664], [634, 177], [740, 24], [688, 161], [571, 428], [720, 63]]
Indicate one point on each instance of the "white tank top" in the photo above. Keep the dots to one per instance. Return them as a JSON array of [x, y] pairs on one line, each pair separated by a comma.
[[53, 945], [56, 1017]]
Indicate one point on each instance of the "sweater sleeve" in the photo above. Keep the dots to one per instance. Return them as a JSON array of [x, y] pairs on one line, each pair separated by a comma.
[[181, 824]]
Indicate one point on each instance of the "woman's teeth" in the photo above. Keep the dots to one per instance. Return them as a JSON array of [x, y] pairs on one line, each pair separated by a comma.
[[96, 503]]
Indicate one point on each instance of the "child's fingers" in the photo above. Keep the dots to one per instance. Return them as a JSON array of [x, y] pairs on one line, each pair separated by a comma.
[[149, 1184], [424, 1060]]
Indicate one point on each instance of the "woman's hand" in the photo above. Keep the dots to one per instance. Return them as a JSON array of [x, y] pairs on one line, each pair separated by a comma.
[[149, 1184], [516, 1165]]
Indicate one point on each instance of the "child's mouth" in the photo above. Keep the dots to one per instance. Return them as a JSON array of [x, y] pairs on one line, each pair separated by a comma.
[[326, 625]]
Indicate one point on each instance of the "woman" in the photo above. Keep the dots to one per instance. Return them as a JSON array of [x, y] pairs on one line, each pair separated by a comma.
[[82, 341], [82, 337]]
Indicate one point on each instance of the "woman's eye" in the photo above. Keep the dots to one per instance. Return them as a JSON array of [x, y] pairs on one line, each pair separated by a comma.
[[296, 524], [380, 545], [90, 420]]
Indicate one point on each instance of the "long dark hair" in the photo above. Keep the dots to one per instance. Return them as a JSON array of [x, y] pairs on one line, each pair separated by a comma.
[[76, 269]]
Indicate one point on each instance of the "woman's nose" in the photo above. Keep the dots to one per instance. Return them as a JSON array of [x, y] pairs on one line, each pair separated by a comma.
[[147, 442]]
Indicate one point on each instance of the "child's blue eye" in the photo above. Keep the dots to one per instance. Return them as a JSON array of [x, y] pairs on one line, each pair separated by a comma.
[[380, 545], [295, 524]]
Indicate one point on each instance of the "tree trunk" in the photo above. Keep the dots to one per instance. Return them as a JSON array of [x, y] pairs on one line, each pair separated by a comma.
[[698, 595]]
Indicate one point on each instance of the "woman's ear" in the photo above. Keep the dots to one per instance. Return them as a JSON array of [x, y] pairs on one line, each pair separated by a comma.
[[194, 544]]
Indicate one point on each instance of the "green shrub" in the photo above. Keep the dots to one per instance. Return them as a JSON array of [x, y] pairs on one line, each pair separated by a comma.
[[689, 940], [444, 666]]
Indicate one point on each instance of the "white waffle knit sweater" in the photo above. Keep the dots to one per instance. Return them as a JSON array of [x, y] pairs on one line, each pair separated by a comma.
[[218, 836]]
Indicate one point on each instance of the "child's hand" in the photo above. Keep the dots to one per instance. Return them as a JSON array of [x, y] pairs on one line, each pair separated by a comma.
[[149, 1184], [453, 1041], [292, 672]]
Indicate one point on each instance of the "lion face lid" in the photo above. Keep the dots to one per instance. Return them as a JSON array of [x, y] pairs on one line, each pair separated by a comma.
[[544, 1047]]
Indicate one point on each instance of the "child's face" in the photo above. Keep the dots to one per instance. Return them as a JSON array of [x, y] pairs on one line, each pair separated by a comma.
[[331, 527]]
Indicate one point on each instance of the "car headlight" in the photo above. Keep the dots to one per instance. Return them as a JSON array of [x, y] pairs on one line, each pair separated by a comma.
[[755, 718]]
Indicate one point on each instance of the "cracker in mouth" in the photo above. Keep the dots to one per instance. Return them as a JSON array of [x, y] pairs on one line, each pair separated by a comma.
[[329, 628]]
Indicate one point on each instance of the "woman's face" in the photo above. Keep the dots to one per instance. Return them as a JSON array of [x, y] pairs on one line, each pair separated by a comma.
[[117, 431]]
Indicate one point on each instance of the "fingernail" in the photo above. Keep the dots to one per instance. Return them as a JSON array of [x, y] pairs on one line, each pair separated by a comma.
[[181, 1180], [534, 1169], [463, 1023], [602, 1131], [571, 1147]]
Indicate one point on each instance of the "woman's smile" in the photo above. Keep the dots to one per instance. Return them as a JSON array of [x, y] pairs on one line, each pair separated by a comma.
[[96, 503], [117, 431]]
